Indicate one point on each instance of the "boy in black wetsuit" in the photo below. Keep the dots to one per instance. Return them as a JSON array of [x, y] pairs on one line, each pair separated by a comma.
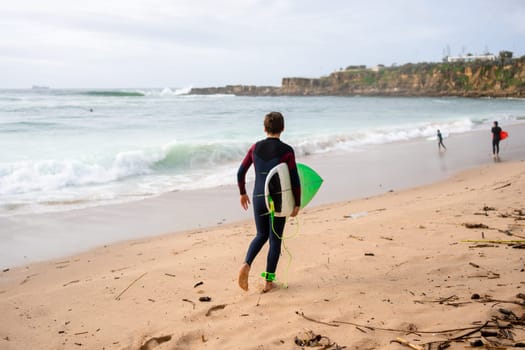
[[496, 138], [264, 155], [440, 140]]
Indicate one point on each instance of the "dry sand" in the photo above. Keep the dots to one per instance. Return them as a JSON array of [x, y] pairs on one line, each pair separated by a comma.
[[396, 261]]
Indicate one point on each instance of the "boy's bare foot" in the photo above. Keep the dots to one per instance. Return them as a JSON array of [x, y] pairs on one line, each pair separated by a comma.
[[243, 276], [269, 286]]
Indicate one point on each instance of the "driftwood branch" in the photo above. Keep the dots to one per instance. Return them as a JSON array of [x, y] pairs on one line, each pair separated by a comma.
[[406, 330], [406, 343], [314, 320], [132, 283]]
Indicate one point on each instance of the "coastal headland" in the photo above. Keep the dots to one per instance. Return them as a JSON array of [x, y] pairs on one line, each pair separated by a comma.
[[499, 78]]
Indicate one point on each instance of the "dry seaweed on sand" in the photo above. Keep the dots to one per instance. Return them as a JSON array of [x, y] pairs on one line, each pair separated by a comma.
[[310, 339], [471, 225], [497, 332]]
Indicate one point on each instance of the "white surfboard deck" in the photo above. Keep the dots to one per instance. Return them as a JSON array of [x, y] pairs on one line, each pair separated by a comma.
[[280, 190]]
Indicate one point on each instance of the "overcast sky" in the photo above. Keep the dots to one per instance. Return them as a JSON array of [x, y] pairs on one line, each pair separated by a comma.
[[185, 43]]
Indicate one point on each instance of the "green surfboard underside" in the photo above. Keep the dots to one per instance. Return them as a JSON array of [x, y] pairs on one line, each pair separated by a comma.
[[310, 183]]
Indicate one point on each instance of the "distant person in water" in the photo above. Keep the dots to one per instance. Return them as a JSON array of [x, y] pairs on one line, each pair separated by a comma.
[[496, 138], [264, 155], [440, 141]]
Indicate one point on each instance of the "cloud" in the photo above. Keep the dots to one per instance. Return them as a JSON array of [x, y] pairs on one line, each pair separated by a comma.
[[205, 42]]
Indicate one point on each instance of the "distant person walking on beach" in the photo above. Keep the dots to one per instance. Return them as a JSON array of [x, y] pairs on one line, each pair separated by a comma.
[[496, 138], [440, 140], [264, 155]]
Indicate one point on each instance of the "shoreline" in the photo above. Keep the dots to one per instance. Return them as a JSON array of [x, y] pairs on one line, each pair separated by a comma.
[[348, 176], [378, 262]]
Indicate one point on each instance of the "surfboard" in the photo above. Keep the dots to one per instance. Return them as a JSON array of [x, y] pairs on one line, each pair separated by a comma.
[[278, 188], [503, 135]]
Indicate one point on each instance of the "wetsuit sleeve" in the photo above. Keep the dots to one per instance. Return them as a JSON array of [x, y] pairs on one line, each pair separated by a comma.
[[243, 169], [289, 159]]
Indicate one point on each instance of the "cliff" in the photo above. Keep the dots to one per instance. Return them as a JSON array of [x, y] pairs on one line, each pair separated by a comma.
[[473, 79], [239, 90]]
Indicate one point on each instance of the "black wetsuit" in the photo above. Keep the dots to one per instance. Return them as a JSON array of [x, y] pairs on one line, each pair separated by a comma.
[[440, 140], [265, 155], [496, 138]]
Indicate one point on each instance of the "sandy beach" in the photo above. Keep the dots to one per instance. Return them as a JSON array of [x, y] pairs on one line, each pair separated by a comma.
[[424, 256]]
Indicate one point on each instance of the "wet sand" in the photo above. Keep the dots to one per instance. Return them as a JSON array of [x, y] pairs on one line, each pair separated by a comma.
[[371, 171]]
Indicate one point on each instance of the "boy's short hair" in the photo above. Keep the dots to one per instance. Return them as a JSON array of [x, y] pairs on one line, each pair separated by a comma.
[[274, 123]]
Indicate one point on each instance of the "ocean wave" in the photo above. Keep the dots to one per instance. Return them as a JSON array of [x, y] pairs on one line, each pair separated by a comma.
[[376, 136], [166, 92], [195, 158], [115, 93], [51, 174], [175, 92], [12, 127]]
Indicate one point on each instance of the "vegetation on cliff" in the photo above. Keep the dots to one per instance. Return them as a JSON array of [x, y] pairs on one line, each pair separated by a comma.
[[501, 78]]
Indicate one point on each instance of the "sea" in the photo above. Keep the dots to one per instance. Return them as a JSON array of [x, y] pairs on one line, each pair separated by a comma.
[[64, 149]]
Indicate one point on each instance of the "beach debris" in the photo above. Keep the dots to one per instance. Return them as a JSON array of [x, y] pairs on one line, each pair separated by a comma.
[[487, 208], [28, 278], [476, 343], [470, 225], [205, 299], [215, 308], [198, 284], [356, 237], [170, 274], [500, 187], [449, 301], [517, 214], [70, 282], [310, 339], [494, 241], [488, 274], [132, 283], [5, 270], [369, 254], [495, 333], [482, 246], [189, 301], [314, 320], [387, 238], [512, 228], [154, 342], [120, 269], [407, 343], [356, 215]]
